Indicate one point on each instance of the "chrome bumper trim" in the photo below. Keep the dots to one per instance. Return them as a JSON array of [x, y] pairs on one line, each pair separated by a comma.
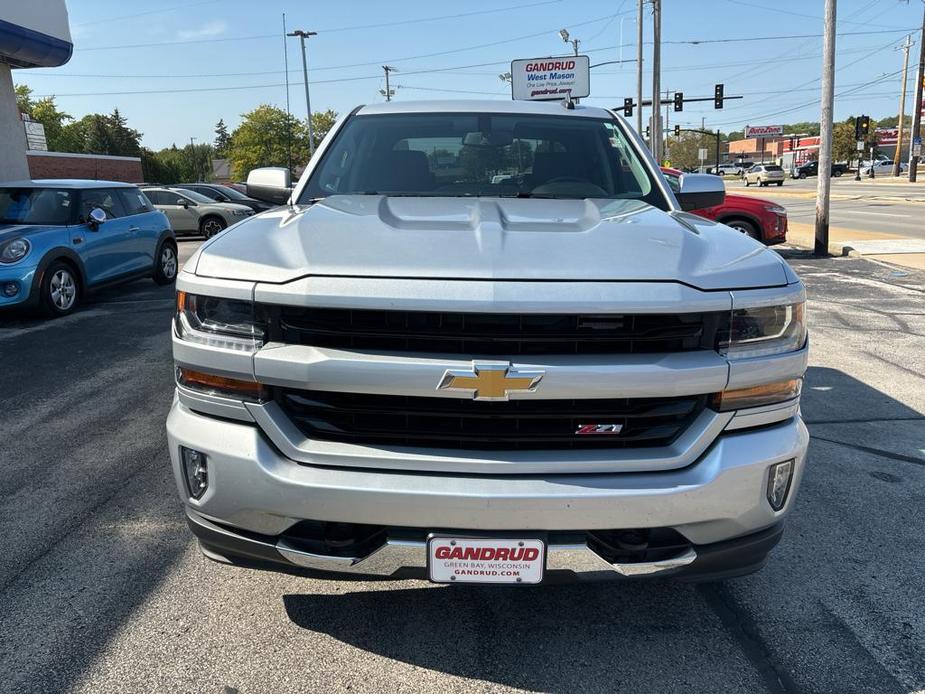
[[402, 554]]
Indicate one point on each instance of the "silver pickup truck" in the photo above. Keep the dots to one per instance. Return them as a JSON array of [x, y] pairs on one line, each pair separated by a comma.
[[483, 342]]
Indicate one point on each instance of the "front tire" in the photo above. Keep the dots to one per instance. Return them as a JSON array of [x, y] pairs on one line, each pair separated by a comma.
[[60, 290], [780, 183], [165, 264], [211, 225], [837, 173], [745, 227], [747, 183]]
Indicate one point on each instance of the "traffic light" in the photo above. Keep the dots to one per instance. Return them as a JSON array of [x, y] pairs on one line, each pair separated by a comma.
[[648, 135], [861, 127], [628, 107], [679, 101], [677, 131], [718, 96]]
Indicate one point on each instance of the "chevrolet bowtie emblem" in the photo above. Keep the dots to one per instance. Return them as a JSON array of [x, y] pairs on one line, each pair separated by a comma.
[[491, 380]]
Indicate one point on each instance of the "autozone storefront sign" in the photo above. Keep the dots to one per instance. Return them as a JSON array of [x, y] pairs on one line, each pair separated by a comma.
[[763, 131], [538, 79], [887, 136]]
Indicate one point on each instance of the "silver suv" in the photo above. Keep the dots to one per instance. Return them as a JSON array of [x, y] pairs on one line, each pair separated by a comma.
[[190, 212], [424, 369]]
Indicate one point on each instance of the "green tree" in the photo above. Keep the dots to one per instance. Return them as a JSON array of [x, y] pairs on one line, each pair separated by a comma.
[[23, 98], [844, 146], [222, 139], [322, 122], [46, 112], [262, 140], [684, 151]]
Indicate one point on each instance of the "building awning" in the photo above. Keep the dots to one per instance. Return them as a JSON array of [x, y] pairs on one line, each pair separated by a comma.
[[24, 47]]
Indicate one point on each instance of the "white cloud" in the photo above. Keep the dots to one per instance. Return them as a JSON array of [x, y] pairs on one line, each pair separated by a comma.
[[214, 28]]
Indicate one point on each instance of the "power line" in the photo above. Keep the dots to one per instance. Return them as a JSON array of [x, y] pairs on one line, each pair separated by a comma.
[[798, 14], [434, 19], [119, 18]]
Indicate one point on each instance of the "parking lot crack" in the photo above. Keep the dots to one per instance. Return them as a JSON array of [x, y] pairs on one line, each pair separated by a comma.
[[745, 631], [874, 451]]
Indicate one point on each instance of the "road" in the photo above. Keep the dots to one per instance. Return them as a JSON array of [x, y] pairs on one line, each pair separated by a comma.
[[892, 208], [103, 590]]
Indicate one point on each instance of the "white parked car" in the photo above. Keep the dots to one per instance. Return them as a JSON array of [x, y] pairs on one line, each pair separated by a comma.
[[884, 167], [764, 174]]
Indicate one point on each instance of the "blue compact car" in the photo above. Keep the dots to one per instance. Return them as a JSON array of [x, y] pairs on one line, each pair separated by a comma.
[[60, 239]]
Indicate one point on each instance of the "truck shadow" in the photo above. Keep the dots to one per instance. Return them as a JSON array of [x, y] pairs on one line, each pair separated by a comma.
[[669, 636]]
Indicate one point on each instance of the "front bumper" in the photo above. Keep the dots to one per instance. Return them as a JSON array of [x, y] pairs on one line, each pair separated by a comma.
[[23, 277], [256, 494]]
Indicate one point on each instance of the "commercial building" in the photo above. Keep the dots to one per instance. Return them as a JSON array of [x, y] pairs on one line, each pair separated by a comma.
[[35, 33]]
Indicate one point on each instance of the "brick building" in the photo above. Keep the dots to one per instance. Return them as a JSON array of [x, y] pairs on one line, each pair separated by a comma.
[[94, 166]]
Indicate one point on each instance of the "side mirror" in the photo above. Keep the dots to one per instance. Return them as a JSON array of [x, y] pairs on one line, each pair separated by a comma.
[[700, 190], [270, 184], [182, 202], [96, 217]]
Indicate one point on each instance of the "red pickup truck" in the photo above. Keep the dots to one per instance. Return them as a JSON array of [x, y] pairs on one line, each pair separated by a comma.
[[761, 219]]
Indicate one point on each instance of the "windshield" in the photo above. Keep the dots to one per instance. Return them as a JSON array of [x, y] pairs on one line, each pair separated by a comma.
[[36, 206], [196, 197], [231, 193], [458, 154]]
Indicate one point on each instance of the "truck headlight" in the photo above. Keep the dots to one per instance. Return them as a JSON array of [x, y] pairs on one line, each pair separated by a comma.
[[764, 330], [218, 322], [14, 250]]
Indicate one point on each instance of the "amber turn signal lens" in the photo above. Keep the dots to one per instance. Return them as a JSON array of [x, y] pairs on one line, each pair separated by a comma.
[[757, 396], [181, 301], [220, 385]]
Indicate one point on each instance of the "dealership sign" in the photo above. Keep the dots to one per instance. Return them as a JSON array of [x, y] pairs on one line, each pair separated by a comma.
[[763, 131], [539, 79]]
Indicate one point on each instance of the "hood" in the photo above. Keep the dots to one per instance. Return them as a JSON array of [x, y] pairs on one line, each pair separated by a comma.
[[491, 239], [10, 231]]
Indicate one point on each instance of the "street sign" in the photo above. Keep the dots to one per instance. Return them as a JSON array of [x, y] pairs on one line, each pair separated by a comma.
[[702, 153], [35, 136], [542, 79], [860, 145], [763, 131]]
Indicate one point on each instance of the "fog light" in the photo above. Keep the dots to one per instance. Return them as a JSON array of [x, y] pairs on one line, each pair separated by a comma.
[[196, 470], [10, 289], [779, 477]]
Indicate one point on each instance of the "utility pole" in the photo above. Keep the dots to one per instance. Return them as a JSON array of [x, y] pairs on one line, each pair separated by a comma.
[[388, 90], [656, 144], [308, 104], [639, 16], [917, 107], [192, 152], [897, 158], [825, 132], [288, 118]]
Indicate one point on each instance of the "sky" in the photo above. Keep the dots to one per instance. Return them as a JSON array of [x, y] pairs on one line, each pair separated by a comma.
[[174, 69]]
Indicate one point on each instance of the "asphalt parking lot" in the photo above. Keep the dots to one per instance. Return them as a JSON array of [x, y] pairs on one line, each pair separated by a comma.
[[103, 590]]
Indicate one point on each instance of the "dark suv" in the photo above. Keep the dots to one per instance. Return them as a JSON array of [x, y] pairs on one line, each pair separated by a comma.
[[811, 168], [220, 193]]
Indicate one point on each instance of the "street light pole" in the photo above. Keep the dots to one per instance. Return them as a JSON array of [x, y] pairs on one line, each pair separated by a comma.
[[825, 132], [308, 104], [639, 68], [917, 107]]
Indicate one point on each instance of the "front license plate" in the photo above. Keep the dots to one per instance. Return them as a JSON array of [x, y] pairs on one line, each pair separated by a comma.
[[482, 560]]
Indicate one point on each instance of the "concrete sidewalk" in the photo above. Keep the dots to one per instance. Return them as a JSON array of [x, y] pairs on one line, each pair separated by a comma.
[[870, 244]]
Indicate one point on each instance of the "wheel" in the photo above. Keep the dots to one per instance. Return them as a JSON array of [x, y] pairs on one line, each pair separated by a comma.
[[60, 290], [837, 173], [802, 174], [211, 225], [745, 227], [165, 264], [762, 184], [780, 183], [747, 184]]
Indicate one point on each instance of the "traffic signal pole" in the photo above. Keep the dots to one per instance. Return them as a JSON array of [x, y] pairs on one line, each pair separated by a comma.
[[825, 132]]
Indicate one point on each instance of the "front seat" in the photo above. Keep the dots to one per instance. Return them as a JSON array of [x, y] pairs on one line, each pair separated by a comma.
[[402, 171]]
